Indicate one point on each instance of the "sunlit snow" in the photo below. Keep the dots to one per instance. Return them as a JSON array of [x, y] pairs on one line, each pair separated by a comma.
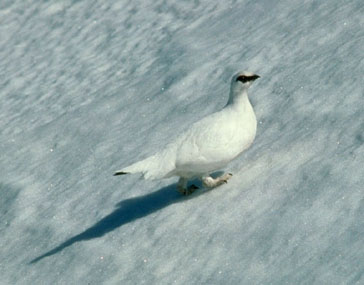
[[88, 87]]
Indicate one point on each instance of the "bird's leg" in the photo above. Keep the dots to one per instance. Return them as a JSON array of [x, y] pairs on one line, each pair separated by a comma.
[[182, 187], [210, 182]]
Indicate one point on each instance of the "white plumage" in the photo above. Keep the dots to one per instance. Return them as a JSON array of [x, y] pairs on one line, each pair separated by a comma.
[[208, 145]]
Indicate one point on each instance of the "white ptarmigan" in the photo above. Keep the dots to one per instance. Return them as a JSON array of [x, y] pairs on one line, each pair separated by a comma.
[[208, 145]]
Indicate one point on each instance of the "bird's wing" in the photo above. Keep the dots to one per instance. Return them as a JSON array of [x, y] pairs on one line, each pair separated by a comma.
[[207, 142], [206, 145]]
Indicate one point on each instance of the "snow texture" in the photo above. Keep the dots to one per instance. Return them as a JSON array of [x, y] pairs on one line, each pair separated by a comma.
[[88, 87]]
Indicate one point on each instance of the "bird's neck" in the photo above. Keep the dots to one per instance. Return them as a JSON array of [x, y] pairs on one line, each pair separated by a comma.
[[239, 100]]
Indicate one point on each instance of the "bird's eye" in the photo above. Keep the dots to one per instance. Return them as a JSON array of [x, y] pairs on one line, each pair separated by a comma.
[[242, 78]]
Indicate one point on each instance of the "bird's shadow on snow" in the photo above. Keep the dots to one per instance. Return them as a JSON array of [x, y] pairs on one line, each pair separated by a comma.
[[127, 211]]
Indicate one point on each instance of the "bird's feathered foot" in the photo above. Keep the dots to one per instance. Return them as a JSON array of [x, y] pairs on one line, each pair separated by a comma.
[[183, 189], [187, 191], [210, 182]]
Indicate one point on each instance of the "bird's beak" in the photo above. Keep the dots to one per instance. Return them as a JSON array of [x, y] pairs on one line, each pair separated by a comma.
[[254, 77]]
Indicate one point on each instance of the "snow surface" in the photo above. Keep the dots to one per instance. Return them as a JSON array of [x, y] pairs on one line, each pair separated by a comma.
[[90, 86]]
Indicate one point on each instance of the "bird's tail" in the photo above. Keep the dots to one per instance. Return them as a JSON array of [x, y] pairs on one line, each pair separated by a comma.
[[120, 173], [152, 167]]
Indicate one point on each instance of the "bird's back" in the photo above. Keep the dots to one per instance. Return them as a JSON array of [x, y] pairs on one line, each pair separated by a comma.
[[214, 141]]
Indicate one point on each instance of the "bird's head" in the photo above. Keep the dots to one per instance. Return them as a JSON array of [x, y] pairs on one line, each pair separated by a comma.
[[242, 80]]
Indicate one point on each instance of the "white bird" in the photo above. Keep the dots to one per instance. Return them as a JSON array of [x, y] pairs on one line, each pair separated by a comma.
[[208, 145]]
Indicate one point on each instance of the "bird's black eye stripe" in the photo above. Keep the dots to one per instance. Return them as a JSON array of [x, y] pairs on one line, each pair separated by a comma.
[[242, 78]]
